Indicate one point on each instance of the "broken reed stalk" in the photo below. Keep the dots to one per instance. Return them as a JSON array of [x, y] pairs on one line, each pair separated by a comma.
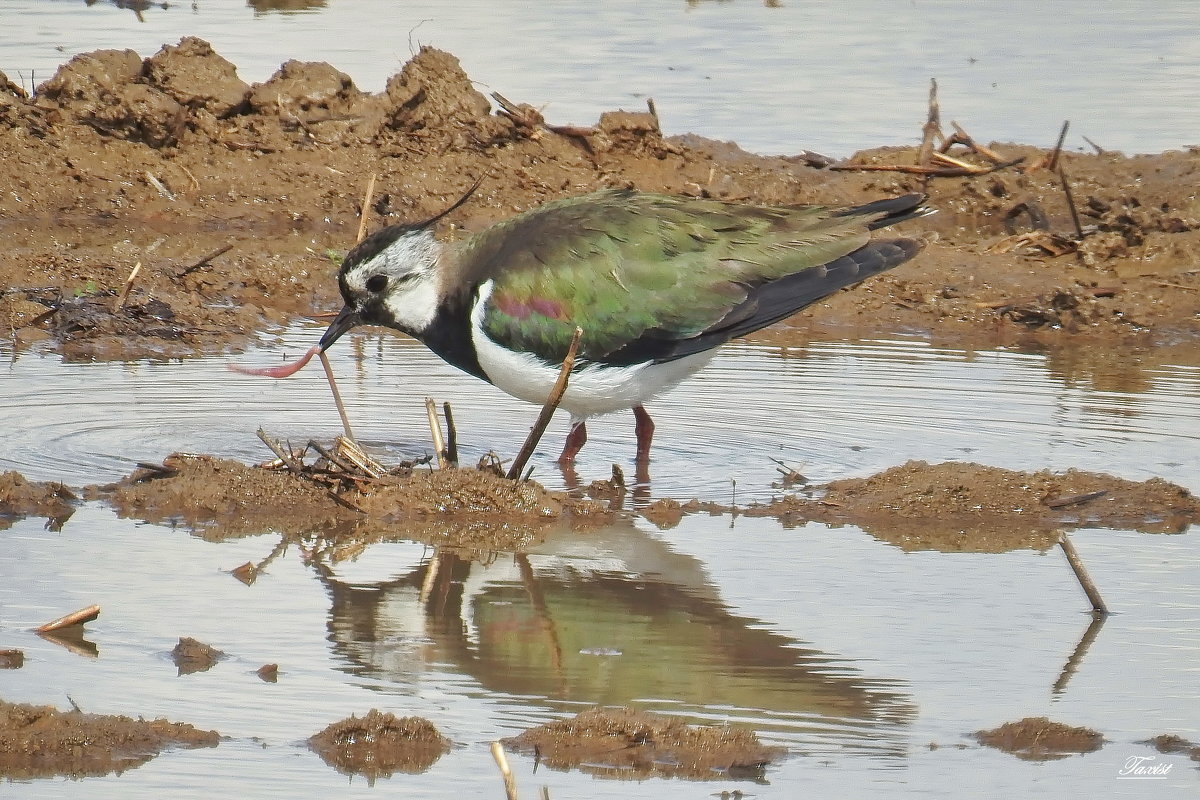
[[431, 574], [552, 401], [435, 430], [1081, 573], [337, 396], [1062, 176], [366, 207], [451, 436], [1052, 164], [128, 285], [932, 128], [74, 618], [195, 265], [510, 782], [283, 455]]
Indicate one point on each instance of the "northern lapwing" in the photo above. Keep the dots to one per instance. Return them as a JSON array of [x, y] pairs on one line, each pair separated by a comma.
[[656, 282]]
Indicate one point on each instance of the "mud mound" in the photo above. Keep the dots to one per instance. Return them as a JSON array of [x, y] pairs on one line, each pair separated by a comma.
[[192, 655], [22, 498], [456, 507], [624, 743], [970, 507], [40, 741], [380, 744], [1039, 739]]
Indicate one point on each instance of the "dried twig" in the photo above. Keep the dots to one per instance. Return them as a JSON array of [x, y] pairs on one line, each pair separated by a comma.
[[1062, 176], [366, 209], [1052, 164], [75, 618], [1099, 150], [435, 430], [932, 128], [510, 782], [1081, 573], [128, 285], [932, 172], [539, 427], [451, 436], [337, 396], [188, 270], [160, 187], [960, 136], [280, 452]]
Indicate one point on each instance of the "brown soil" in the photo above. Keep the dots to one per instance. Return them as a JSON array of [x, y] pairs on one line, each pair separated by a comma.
[[40, 741], [380, 744], [1171, 744], [12, 659], [1039, 739], [959, 506], [191, 656], [630, 744], [465, 508], [22, 498], [119, 160]]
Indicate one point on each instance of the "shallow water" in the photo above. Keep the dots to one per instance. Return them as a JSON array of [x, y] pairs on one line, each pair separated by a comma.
[[856, 656], [774, 77]]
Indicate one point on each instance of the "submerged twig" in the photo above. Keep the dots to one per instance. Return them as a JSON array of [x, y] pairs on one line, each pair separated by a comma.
[[1081, 573], [552, 401]]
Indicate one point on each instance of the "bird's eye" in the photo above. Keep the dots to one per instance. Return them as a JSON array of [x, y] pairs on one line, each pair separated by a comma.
[[376, 283]]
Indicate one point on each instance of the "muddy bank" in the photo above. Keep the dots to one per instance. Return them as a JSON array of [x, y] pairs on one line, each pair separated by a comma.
[[23, 498], [121, 160], [633, 745], [379, 744], [40, 741]]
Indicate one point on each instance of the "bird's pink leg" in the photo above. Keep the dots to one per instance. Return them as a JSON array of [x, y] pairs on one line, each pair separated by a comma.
[[644, 428], [576, 439]]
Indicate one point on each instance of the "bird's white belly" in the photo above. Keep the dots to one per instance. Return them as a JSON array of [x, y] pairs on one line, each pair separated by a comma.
[[592, 389]]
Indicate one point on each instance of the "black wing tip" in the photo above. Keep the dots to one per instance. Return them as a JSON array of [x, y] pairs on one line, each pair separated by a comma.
[[890, 210]]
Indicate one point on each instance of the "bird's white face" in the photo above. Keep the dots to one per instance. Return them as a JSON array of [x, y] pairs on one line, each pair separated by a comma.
[[392, 280]]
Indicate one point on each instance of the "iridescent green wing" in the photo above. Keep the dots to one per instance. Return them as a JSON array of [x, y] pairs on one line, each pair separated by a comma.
[[645, 276]]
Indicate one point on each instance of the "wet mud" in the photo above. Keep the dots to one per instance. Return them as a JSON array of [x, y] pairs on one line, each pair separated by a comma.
[[379, 744], [1040, 739], [23, 498], [960, 506], [40, 741], [238, 200], [633, 745], [191, 656]]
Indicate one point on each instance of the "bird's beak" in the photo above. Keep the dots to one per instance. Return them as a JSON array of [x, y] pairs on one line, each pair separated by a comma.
[[346, 319]]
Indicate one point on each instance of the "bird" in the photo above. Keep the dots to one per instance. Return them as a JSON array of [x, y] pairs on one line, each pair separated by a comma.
[[656, 282]]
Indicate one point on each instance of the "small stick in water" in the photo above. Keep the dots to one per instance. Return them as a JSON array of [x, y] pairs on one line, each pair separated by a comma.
[[435, 430], [510, 783], [539, 427], [337, 396], [1081, 573], [75, 618]]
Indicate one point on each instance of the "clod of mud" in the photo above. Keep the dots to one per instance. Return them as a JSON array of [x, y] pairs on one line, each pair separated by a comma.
[[23, 498], [960, 506], [268, 673], [380, 744], [1169, 744], [12, 659], [191, 656], [1039, 739], [40, 741], [629, 744], [457, 507]]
